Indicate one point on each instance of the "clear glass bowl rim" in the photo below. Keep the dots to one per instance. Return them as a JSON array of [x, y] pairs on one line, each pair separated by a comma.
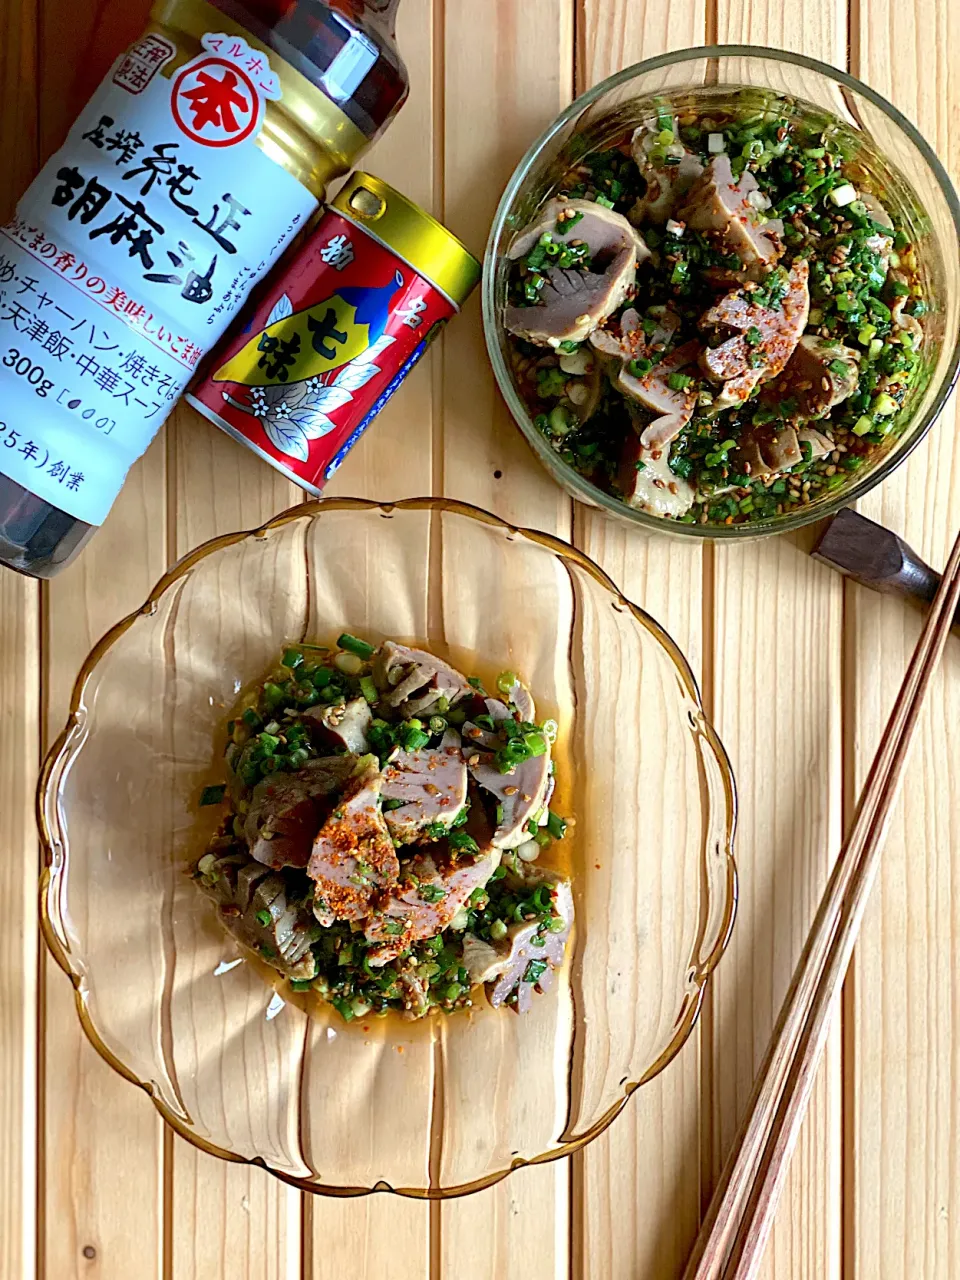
[[571, 479], [62, 750]]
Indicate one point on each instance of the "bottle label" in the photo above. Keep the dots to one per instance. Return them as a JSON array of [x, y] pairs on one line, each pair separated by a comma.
[[129, 256]]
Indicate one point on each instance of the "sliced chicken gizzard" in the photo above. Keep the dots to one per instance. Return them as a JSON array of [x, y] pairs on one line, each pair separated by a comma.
[[521, 949], [667, 184], [412, 681], [820, 445], [813, 378], [286, 810], [434, 887], [604, 231], [653, 486], [431, 783], [673, 409], [741, 363], [521, 792], [345, 724], [767, 451], [726, 212], [482, 961], [521, 697], [243, 888], [770, 450], [573, 302], [478, 735], [353, 858]]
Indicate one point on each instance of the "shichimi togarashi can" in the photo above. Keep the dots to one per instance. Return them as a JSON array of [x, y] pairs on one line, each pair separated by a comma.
[[315, 356]]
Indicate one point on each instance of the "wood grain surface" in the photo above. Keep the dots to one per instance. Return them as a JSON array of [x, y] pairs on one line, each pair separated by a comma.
[[91, 1185]]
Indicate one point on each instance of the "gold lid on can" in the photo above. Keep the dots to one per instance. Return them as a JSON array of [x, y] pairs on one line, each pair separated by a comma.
[[423, 242]]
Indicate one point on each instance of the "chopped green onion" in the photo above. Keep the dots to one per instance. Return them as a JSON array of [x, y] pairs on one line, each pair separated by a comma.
[[506, 680], [212, 795], [368, 689], [843, 195], [560, 420], [432, 892], [343, 1007], [556, 825], [412, 737], [639, 368], [535, 970], [514, 753], [292, 658], [437, 724], [264, 918], [251, 719], [753, 336], [498, 930], [884, 405], [273, 695], [863, 426], [550, 729], [353, 645], [839, 367], [462, 843], [301, 984], [607, 204]]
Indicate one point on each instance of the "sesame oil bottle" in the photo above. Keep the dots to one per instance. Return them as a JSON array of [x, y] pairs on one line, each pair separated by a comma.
[[201, 157]]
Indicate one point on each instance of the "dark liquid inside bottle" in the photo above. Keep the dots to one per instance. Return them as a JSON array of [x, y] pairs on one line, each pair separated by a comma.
[[36, 537], [344, 47]]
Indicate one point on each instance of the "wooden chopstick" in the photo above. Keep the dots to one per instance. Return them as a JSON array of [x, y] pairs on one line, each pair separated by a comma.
[[740, 1215]]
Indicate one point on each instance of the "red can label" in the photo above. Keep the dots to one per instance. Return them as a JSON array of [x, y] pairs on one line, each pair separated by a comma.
[[319, 355]]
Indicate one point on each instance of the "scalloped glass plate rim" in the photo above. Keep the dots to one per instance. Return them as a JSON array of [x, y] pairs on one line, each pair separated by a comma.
[[63, 749]]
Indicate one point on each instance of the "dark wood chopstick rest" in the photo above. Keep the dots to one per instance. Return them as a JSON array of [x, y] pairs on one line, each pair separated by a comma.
[[876, 557]]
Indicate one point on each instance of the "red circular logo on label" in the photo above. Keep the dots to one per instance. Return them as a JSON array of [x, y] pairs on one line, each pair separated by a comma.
[[215, 102]]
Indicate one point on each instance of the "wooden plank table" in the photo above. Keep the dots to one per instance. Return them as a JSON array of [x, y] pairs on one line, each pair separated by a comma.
[[90, 1182]]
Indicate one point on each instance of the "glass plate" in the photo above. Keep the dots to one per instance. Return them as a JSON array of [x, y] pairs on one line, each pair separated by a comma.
[[453, 1103]]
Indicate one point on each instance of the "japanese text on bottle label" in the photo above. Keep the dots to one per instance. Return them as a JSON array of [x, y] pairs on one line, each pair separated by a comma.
[[128, 257]]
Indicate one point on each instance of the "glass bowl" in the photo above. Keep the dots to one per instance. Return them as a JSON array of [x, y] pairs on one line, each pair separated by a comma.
[[453, 1103], [887, 144]]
